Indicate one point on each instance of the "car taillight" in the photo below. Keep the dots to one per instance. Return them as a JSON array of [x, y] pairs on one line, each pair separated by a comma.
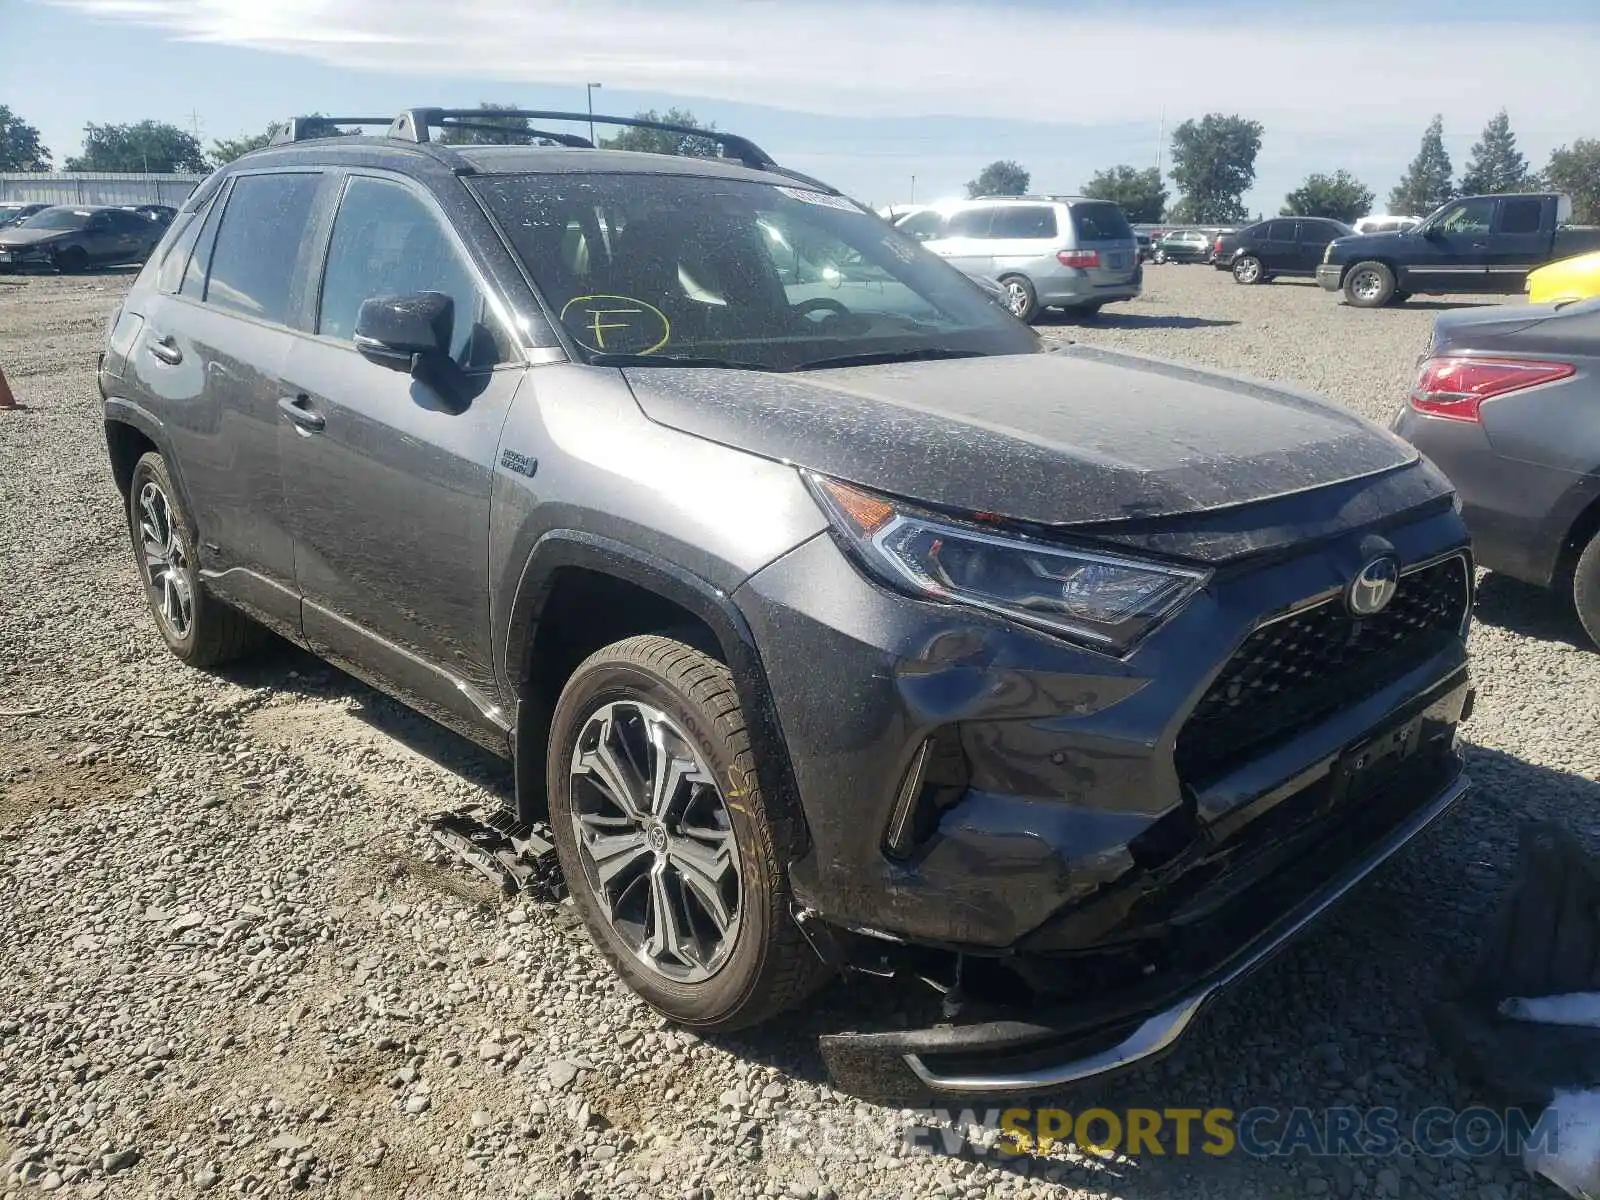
[[1216, 246], [1079, 258], [1457, 387]]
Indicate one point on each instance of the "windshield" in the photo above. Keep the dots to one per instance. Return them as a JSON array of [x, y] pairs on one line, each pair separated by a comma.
[[763, 275], [56, 218]]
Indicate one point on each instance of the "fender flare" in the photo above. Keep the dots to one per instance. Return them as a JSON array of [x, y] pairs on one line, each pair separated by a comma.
[[571, 548], [119, 411]]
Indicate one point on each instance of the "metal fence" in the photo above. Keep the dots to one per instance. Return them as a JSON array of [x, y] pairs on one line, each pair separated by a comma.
[[96, 187]]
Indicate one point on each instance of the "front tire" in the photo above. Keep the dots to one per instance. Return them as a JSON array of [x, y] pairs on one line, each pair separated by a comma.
[[674, 856], [1247, 270], [199, 629], [72, 260], [1586, 589], [1369, 285], [1021, 300]]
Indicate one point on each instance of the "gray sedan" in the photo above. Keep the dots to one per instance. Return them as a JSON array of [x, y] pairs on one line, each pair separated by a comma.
[[1505, 404]]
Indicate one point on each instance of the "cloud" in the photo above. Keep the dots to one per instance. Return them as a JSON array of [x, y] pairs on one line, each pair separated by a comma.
[[882, 58]]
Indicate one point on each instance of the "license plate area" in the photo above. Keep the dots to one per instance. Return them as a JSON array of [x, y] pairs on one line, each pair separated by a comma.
[[1373, 764]]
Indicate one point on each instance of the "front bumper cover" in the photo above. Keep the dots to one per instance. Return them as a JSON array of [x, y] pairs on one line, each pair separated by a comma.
[[1330, 276], [1053, 1047]]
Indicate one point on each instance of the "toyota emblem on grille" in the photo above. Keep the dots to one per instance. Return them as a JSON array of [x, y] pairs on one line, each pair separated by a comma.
[[1373, 587]]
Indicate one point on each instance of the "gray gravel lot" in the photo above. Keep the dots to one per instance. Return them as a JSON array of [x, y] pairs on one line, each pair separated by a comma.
[[230, 965]]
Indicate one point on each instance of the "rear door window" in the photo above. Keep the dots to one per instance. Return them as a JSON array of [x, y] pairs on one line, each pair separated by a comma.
[[258, 244], [1100, 222], [969, 222], [1521, 215], [1024, 221], [1280, 231]]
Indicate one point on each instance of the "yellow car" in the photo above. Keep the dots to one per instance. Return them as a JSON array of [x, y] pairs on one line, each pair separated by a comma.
[[1569, 279]]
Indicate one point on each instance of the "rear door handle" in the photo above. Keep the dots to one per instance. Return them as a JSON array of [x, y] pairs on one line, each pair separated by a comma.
[[297, 410], [166, 349]]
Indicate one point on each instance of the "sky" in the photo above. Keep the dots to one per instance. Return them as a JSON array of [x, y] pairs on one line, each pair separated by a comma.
[[877, 97]]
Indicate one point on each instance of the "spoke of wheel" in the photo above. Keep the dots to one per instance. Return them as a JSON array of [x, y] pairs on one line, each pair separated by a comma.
[[666, 939], [615, 853], [703, 870], [614, 779], [667, 771]]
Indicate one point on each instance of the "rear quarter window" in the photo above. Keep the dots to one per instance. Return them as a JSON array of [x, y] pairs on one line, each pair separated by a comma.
[[1100, 223]]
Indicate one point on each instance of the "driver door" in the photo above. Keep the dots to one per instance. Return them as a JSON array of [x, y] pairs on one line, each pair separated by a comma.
[[1453, 254]]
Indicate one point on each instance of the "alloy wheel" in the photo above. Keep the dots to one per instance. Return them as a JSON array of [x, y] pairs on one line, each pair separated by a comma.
[[1016, 298], [1247, 270], [166, 562], [656, 841]]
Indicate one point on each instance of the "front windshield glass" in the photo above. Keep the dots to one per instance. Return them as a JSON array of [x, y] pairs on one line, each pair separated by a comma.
[[762, 275], [56, 218]]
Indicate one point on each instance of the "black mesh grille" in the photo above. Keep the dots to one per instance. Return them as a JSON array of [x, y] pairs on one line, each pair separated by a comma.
[[1293, 672]]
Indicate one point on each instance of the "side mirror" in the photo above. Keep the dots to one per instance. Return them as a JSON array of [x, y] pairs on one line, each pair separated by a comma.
[[406, 333]]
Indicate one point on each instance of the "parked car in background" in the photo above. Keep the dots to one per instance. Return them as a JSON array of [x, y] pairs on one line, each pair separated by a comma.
[[161, 214], [1282, 246], [1504, 404], [1385, 224], [1045, 251], [1474, 244], [1183, 246], [71, 238], [1147, 246], [1562, 282], [13, 211], [824, 634]]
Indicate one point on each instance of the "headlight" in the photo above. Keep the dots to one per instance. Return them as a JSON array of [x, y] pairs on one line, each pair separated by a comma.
[[1103, 601]]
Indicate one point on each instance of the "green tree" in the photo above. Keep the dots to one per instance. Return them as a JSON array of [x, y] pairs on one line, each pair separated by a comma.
[[504, 131], [147, 146], [1140, 194], [1575, 170], [1341, 196], [660, 141], [1496, 165], [1214, 164], [19, 144], [1000, 178], [1426, 185]]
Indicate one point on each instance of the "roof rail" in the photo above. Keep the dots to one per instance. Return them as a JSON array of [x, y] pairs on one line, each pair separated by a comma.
[[416, 124], [303, 129]]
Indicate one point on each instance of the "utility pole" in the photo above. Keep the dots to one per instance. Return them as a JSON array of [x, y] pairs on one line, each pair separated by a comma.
[[194, 123], [913, 199], [1161, 140], [588, 90]]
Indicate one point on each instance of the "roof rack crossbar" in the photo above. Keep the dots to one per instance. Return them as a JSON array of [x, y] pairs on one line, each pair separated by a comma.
[[413, 125], [564, 139], [300, 129]]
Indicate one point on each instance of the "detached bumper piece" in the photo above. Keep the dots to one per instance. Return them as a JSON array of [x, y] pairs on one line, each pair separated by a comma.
[[518, 858], [1048, 1048]]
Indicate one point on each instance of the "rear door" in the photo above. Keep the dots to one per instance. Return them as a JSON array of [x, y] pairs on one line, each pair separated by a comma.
[[388, 475], [1020, 235], [212, 349], [1279, 250], [1519, 241], [965, 241], [1099, 225]]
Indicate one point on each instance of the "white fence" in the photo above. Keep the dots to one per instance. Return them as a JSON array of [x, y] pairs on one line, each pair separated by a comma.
[[96, 187]]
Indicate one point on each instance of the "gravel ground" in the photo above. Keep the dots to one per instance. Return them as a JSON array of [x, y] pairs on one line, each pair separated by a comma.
[[231, 965]]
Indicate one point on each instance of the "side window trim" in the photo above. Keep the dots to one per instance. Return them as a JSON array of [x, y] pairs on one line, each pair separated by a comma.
[[488, 294]]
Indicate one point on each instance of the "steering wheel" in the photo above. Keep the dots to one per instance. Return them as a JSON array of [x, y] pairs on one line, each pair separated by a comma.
[[821, 304]]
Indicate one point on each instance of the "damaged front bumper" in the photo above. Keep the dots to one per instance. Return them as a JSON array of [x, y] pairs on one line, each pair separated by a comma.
[[1050, 1047]]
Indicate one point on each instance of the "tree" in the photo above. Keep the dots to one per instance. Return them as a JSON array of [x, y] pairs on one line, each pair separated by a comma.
[[147, 146], [225, 150], [1214, 164], [1341, 196], [505, 131], [1496, 166], [1575, 170], [1140, 194], [1000, 178], [659, 141], [19, 144], [1426, 185]]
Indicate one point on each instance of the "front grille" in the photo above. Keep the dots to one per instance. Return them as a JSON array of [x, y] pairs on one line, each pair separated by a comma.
[[1293, 672]]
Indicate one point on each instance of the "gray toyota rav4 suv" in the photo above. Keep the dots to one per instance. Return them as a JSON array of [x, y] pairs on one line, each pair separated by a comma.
[[831, 620]]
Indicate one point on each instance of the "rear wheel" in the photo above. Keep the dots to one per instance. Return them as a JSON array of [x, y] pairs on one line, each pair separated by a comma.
[[1586, 588], [1369, 285], [1247, 269], [1021, 300], [198, 628], [674, 856]]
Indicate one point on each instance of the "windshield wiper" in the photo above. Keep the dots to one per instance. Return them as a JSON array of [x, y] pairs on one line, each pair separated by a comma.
[[871, 357], [672, 360]]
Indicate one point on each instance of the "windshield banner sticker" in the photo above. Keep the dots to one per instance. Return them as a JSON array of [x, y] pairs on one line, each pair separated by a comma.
[[821, 199]]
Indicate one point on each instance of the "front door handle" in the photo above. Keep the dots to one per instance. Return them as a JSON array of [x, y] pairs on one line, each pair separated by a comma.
[[166, 349], [297, 410]]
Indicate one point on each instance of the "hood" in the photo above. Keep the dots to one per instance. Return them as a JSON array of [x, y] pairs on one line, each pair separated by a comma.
[[10, 235], [1369, 243], [1067, 437]]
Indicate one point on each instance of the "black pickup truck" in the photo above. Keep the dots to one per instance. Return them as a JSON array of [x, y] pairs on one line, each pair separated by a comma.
[[1474, 244]]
